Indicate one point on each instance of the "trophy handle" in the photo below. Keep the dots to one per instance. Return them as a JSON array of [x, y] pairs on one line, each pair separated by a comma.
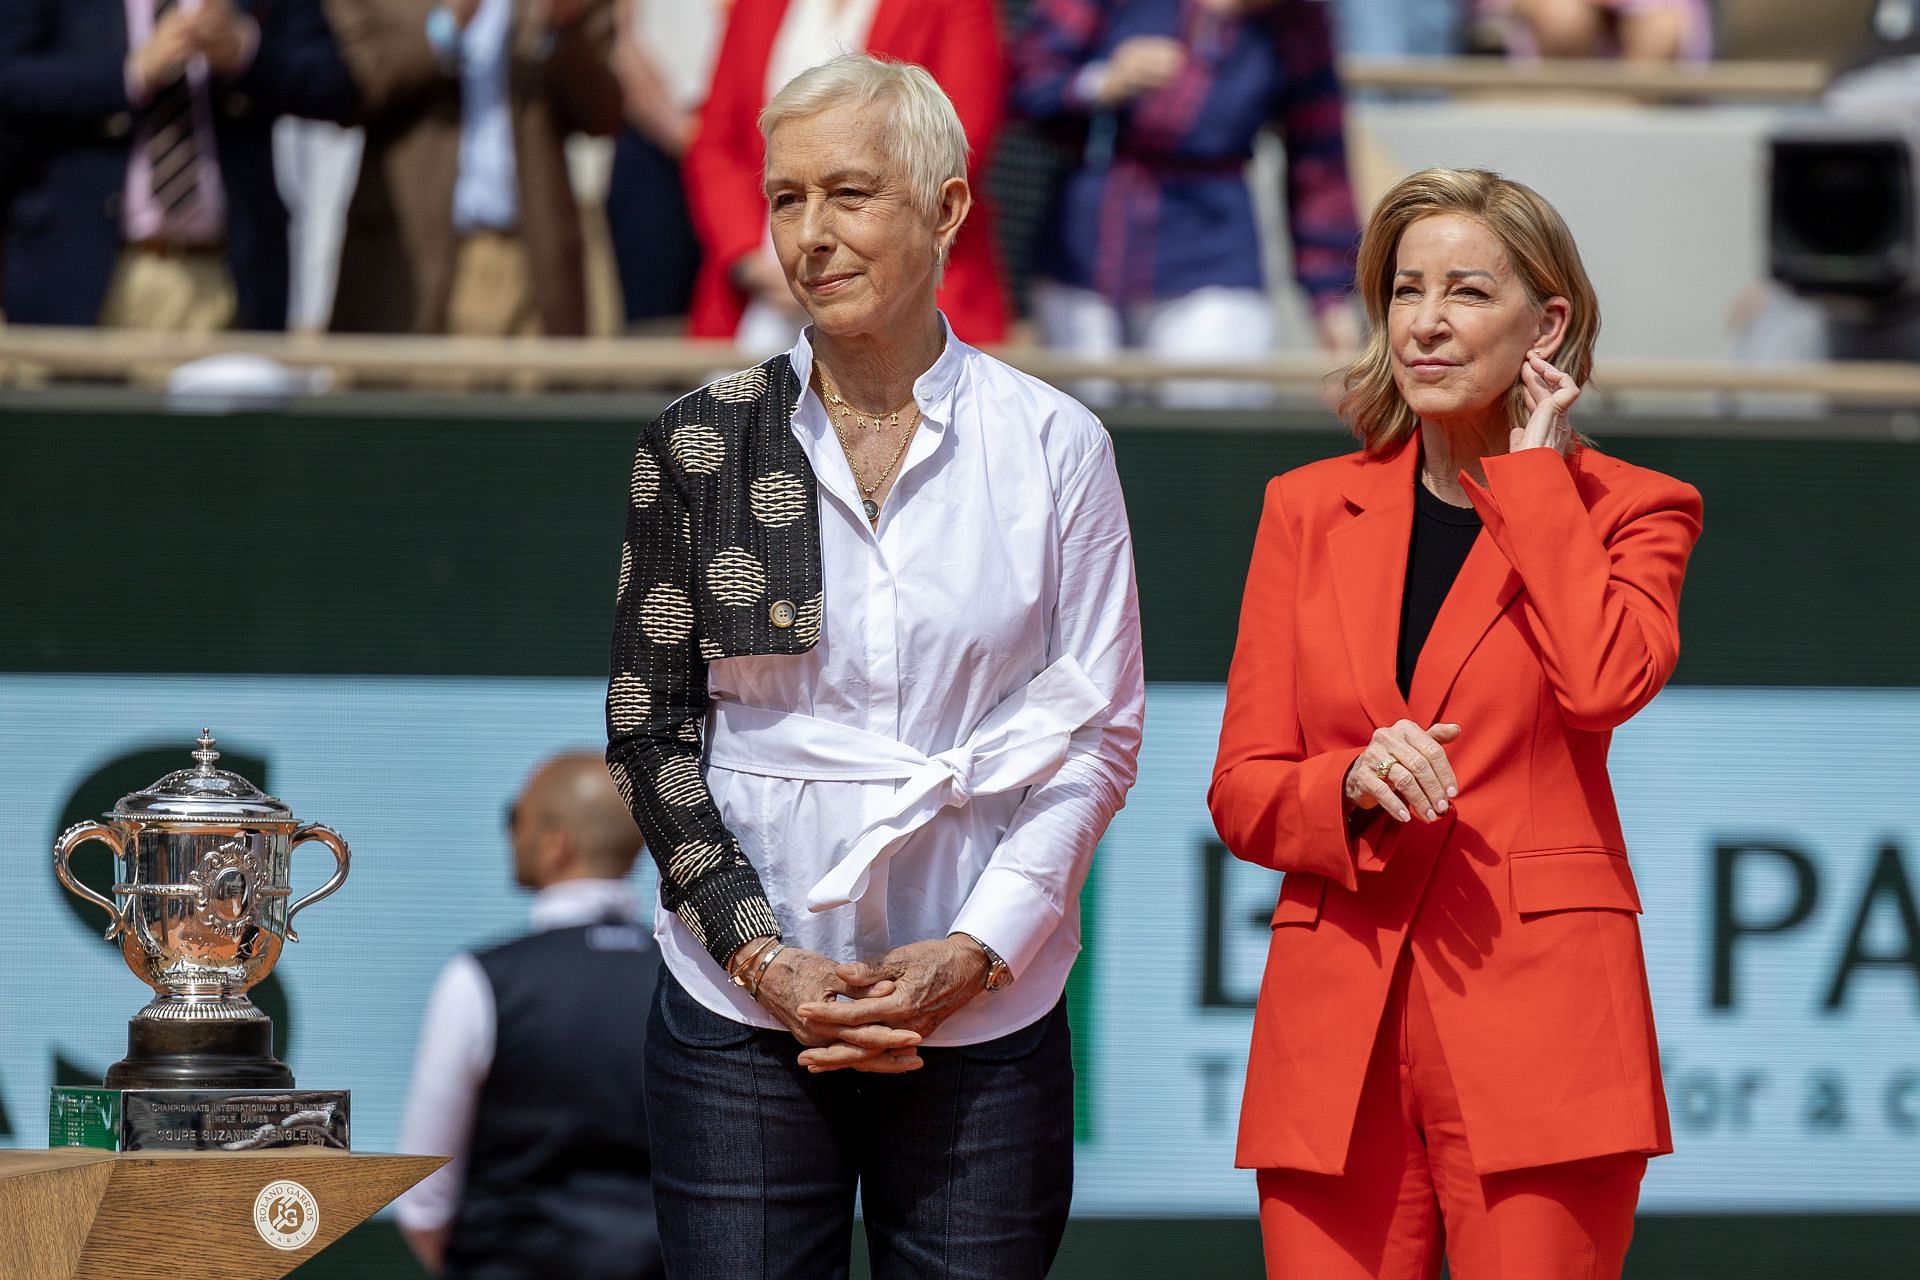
[[341, 857], [78, 834]]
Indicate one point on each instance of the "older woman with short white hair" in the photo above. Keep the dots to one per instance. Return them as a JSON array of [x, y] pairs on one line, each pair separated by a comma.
[[876, 695]]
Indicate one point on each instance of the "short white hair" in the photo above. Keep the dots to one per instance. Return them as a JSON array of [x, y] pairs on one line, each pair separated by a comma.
[[923, 129]]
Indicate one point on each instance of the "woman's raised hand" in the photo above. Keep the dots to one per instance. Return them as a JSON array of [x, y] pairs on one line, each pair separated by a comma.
[[1550, 395], [1405, 770]]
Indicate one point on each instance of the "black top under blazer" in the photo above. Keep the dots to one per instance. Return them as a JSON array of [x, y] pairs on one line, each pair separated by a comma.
[[722, 560]]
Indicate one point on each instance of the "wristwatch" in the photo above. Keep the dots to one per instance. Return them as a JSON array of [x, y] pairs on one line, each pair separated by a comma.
[[998, 975]]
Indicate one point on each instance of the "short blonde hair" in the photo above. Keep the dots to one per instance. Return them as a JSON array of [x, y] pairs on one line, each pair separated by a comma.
[[1544, 256], [923, 129]]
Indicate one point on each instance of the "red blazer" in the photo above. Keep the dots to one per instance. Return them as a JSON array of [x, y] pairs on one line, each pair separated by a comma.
[[1518, 904], [958, 41]]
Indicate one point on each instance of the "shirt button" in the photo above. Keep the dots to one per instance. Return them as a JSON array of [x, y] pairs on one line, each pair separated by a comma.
[[781, 614]]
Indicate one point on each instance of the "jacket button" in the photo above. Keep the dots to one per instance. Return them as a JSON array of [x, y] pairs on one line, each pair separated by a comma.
[[239, 106], [118, 125], [781, 614]]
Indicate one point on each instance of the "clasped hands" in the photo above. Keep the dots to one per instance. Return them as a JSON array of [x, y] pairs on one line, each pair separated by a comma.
[[1405, 771], [213, 29], [871, 1016]]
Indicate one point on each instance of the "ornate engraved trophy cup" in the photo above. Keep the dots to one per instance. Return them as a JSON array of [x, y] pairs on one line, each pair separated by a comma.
[[200, 907]]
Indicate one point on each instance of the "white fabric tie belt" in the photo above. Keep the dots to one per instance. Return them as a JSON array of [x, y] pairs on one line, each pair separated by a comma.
[[1022, 741]]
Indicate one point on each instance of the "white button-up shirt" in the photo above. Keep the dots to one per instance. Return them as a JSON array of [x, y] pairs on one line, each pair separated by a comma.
[[1002, 552], [486, 191]]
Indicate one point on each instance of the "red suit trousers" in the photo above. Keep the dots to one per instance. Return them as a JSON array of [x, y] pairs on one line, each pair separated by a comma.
[[1410, 1194]]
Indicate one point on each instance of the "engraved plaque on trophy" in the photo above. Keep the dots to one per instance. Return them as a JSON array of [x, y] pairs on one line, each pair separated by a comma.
[[200, 909], [198, 1119]]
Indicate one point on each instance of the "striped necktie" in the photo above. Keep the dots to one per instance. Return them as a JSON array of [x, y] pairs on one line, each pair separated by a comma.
[[172, 149]]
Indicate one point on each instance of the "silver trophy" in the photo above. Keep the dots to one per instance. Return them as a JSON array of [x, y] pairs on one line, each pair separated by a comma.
[[200, 908]]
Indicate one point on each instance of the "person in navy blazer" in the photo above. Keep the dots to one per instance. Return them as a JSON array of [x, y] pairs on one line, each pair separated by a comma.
[[64, 91]]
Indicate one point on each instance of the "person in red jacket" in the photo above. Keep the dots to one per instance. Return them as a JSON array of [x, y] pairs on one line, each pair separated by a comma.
[[1453, 1050], [741, 293]]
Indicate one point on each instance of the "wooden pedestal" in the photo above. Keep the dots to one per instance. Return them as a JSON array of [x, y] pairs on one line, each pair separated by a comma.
[[80, 1214]]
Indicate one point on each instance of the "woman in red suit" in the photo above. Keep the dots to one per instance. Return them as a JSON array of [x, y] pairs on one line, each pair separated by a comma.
[[958, 41], [1454, 1049]]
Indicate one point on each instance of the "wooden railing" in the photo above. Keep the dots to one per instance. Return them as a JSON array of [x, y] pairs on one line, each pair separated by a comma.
[[1707, 82], [34, 357]]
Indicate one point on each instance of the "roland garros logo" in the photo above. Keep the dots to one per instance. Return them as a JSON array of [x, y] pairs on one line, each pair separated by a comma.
[[285, 1214]]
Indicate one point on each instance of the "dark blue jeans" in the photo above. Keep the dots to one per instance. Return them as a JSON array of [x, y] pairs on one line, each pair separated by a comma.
[[964, 1167]]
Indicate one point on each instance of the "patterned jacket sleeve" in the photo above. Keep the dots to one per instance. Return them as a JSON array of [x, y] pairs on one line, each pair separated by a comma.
[[1048, 56], [656, 699], [1311, 117]]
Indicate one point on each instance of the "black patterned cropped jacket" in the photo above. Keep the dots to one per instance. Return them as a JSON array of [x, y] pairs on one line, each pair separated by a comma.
[[722, 559]]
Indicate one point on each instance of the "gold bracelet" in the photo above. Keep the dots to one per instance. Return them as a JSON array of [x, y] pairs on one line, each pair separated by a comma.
[[737, 968], [760, 971]]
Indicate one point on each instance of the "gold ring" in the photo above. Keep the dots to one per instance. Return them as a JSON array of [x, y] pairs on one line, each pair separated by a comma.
[[1384, 768]]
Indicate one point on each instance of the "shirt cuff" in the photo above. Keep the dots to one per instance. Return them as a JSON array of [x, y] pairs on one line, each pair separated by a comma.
[[1008, 912], [136, 88], [443, 33], [414, 1216], [1084, 89]]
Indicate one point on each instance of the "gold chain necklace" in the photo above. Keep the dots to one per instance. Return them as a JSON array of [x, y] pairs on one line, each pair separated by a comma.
[[845, 410], [838, 411]]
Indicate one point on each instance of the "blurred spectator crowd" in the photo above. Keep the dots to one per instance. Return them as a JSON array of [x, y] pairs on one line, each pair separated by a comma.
[[388, 166]]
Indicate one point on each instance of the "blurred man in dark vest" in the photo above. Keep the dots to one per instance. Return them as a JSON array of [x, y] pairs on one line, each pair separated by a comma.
[[528, 1074]]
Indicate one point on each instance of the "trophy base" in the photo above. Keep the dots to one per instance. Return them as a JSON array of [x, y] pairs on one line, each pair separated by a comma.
[[198, 1119], [93, 1215], [187, 1054]]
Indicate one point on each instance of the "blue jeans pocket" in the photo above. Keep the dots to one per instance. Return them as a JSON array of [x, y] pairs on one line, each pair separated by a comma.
[[693, 1024]]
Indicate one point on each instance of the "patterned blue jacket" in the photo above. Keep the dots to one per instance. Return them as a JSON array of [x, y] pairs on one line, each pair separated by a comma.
[[1159, 205]]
